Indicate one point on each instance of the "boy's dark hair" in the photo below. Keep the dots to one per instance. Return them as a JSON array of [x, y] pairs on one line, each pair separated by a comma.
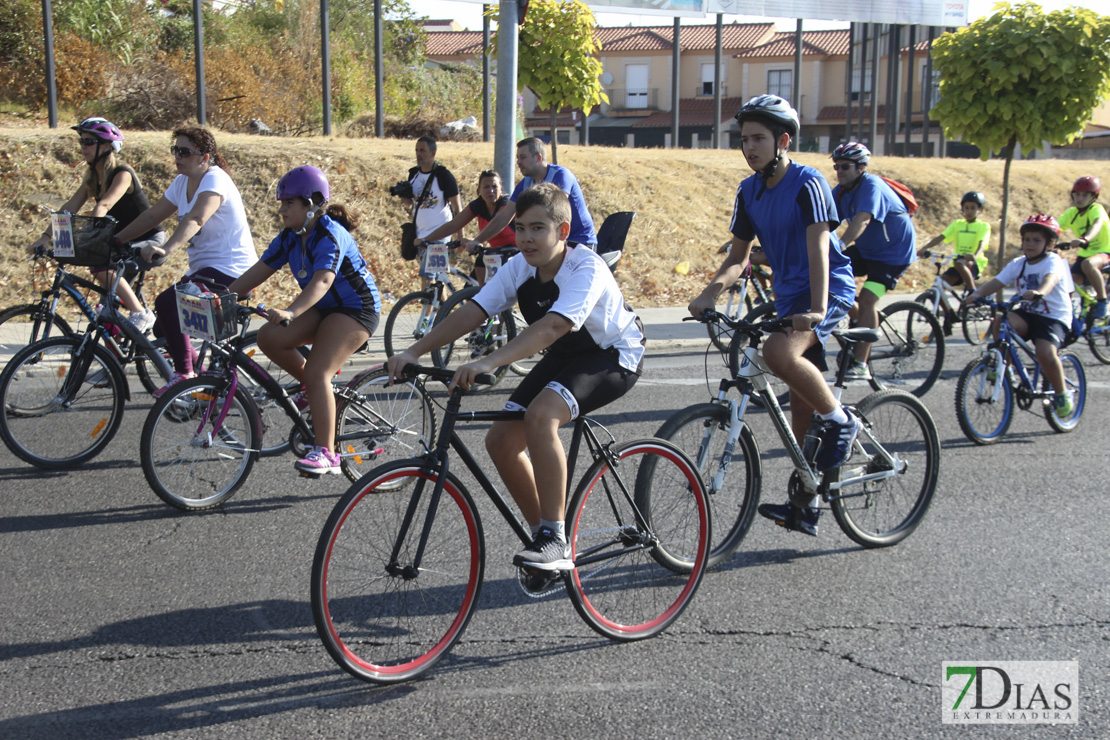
[[553, 201], [534, 146], [429, 141]]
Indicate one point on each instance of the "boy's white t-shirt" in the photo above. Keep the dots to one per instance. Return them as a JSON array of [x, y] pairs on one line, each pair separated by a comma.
[[1057, 303], [224, 242]]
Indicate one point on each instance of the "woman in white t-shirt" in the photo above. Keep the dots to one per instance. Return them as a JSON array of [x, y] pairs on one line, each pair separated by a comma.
[[212, 226]]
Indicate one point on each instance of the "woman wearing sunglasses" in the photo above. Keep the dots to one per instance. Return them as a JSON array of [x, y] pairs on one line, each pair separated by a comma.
[[212, 227], [118, 193]]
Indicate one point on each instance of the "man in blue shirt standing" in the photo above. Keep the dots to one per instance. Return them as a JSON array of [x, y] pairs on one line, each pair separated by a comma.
[[531, 158], [880, 239]]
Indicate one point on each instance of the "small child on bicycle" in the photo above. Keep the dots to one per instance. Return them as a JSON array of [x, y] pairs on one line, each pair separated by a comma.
[[337, 309], [970, 237], [1045, 283], [595, 344], [1087, 220], [790, 208]]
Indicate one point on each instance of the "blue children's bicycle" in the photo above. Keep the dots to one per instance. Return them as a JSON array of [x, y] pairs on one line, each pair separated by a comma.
[[1007, 374]]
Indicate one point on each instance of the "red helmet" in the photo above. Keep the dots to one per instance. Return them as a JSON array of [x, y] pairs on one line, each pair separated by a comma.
[[1044, 223], [1087, 184]]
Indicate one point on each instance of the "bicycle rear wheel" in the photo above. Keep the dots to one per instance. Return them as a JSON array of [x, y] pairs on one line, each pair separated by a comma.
[[739, 304], [382, 617], [51, 419], [884, 512], [910, 351], [766, 312], [383, 423], [494, 333], [984, 415], [410, 319], [189, 460], [1075, 378], [27, 324], [635, 571], [702, 431], [976, 323]]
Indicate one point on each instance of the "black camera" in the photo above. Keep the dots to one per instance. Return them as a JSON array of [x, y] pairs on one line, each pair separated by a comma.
[[402, 189]]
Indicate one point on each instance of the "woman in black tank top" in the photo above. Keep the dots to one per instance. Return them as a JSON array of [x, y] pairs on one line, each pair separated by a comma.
[[118, 193]]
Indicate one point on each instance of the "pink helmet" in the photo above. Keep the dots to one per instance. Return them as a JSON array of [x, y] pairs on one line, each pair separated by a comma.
[[852, 151], [102, 129], [1044, 223], [305, 182], [1087, 184]]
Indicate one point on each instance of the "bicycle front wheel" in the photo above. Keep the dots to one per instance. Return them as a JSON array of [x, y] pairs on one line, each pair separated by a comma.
[[492, 334], [1075, 378], [409, 320], [192, 458], [984, 401], [382, 423], [635, 571], [900, 436], [30, 323], [702, 432], [910, 351], [383, 615], [53, 419]]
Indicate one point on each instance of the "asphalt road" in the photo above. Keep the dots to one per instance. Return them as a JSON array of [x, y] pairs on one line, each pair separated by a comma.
[[123, 618]]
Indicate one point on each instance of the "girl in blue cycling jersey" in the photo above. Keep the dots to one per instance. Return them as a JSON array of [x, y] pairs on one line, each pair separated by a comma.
[[337, 309]]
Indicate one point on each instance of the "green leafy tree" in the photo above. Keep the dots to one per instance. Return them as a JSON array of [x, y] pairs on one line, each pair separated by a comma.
[[1022, 77], [558, 58]]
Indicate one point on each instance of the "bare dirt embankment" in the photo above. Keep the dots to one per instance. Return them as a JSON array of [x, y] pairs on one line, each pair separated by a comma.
[[683, 198]]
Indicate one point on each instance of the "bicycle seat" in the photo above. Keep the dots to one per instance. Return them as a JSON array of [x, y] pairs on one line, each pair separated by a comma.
[[857, 334]]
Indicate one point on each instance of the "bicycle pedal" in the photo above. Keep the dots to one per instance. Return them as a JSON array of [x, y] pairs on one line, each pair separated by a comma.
[[537, 583]]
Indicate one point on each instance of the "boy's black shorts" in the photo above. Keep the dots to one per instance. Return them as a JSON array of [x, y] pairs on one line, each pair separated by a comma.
[[953, 273], [1042, 327], [876, 272], [585, 381]]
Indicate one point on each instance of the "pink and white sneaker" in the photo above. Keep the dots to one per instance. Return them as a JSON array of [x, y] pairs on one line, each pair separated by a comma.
[[318, 461], [174, 380]]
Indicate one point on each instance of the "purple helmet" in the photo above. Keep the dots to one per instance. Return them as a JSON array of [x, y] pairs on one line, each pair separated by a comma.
[[304, 182], [852, 151], [102, 129]]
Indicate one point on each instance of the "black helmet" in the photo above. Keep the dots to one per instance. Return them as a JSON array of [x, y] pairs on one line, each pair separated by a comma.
[[974, 196]]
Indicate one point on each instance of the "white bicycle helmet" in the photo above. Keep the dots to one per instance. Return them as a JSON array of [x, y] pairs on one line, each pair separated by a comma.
[[852, 151], [771, 108]]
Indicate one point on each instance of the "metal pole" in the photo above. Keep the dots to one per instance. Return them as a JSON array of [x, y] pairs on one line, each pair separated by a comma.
[[585, 141], [325, 53], [909, 88], [48, 43], [862, 77], [928, 99], [505, 129], [890, 120], [797, 86], [848, 82], [675, 52], [873, 129], [485, 75], [198, 53], [717, 66], [379, 73]]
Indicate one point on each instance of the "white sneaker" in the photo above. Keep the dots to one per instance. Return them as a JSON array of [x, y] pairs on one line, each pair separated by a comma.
[[143, 320]]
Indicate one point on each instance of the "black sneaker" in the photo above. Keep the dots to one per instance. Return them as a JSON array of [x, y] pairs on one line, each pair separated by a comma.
[[949, 319], [836, 442], [791, 517], [547, 552]]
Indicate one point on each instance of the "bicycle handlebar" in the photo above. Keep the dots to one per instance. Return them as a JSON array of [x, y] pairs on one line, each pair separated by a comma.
[[751, 328], [444, 375]]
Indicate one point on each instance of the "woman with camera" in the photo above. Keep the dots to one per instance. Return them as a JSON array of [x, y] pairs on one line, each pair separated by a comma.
[[431, 194], [212, 226]]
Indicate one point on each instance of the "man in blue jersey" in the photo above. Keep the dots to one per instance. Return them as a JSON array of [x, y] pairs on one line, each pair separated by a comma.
[[880, 239], [531, 158], [789, 208]]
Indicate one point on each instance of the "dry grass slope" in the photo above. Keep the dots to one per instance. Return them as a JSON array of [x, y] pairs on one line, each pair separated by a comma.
[[683, 199]]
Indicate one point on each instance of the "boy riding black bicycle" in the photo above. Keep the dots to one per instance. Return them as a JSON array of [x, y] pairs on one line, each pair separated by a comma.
[[595, 345]]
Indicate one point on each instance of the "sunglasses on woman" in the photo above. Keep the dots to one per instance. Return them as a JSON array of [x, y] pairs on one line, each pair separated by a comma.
[[89, 142], [181, 152]]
